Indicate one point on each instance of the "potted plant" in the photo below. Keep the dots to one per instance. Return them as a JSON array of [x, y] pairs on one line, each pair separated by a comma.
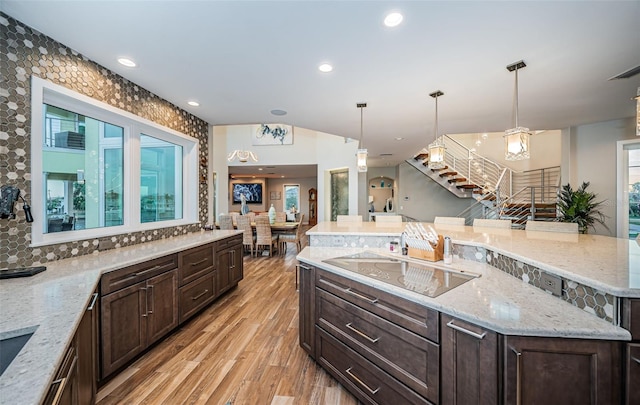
[[580, 206]]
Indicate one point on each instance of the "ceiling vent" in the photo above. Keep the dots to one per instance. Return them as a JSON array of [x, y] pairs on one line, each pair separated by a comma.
[[386, 154], [629, 73]]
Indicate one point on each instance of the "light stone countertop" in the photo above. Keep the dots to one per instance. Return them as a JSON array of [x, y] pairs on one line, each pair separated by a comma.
[[608, 264], [53, 302], [494, 300]]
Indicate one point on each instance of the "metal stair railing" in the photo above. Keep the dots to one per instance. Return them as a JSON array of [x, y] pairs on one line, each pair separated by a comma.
[[482, 208], [548, 179]]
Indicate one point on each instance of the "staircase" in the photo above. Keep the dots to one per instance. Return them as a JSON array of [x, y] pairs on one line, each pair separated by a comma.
[[469, 175]]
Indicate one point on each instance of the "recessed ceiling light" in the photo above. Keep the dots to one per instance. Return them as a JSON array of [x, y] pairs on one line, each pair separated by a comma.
[[282, 176], [278, 112], [126, 62], [325, 68], [193, 103], [399, 138], [260, 168], [393, 19]]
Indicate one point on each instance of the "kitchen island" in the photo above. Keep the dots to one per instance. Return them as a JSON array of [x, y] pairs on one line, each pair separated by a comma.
[[51, 305], [502, 322]]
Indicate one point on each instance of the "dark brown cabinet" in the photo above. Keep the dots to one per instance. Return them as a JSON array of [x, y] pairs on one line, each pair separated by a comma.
[[229, 267], [561, 371], [306, 315], [470, 363], [135, 317], [632, 365], [75, 381]]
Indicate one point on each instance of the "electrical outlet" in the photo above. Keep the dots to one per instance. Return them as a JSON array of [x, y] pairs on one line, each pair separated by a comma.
[[551, 283], [105, 244]]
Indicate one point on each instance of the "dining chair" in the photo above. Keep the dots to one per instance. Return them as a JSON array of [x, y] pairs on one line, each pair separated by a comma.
[[292, 238], [251, 216], [248, 240], [234, 217], [281, 217], [264, 238], [548, 226], [448, 221], [226, 221], [492, 223]]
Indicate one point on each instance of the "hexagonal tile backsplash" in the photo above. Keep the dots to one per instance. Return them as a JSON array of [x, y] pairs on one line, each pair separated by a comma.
[[25, 52]]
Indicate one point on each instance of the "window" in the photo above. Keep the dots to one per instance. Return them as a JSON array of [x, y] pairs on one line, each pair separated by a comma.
[[105, 171], [292, 197]]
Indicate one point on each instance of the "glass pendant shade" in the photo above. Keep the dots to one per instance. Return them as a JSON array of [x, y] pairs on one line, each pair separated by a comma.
[[516, 144], [243, 156], [361, 162], [436, 155]]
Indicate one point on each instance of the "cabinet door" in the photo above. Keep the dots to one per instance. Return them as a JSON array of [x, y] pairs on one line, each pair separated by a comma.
[[223, 265], [633, 374], [236, 270], [87, 344], [124, 326], [307, 311], [561, 371], [469, 363], [64, 388], [162, 305]]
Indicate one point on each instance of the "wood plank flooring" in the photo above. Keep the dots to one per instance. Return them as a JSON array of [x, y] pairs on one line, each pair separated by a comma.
[[243, 349]]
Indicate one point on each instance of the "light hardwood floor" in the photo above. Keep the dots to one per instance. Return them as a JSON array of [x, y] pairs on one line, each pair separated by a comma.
[[243, 349]]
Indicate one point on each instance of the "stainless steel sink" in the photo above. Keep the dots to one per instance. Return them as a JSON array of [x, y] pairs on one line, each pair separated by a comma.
[[421, 278], [11, 343]]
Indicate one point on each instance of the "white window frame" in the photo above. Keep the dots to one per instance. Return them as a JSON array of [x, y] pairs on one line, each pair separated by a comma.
[[622, 171], [44, 92]]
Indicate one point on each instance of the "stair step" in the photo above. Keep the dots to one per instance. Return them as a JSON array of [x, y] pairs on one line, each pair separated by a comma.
[[457, 180], [545, 215], [437, 170], [447, 173], [467, 186], [421, 156]]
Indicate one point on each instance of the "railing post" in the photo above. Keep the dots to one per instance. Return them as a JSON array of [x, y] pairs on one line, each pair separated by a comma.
[[533, 204], [543, 192]]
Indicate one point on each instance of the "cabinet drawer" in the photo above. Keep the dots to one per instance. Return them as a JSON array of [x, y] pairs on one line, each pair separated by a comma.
[[416, 318], [365, 380], [410, 358], [196, 295], [631, 317], [119, 279], [195, 263], [225, 243]]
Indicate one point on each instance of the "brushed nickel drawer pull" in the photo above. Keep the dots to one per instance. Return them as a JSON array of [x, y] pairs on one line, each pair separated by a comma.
[[149, 270], [518, 375], [200, 261], [146, 302], [93, 302], [199, 295], [152, 299], [359, 381], [466, 331], [364, 335], [355, 294], [637, 360]]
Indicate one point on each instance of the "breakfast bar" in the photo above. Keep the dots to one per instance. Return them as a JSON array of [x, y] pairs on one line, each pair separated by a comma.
[[530, 305]]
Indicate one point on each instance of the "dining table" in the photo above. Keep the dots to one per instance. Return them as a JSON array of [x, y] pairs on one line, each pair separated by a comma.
[[276, 227]]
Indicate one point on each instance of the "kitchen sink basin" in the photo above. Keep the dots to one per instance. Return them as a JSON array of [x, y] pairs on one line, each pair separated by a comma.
[[11, 344]]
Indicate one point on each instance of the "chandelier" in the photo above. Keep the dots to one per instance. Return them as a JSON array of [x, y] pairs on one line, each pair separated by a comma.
[[437, 148], [243, 156], [516, 140]]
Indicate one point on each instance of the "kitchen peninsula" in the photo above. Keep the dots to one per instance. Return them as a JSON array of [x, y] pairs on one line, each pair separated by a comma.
[[168, 280], [487, 340]]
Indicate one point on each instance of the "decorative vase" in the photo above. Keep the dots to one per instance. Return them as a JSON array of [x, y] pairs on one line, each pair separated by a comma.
[[272, 214]]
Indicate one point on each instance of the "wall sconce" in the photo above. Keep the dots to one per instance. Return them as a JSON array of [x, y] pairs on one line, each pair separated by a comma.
[[516, 140], [243, 156]]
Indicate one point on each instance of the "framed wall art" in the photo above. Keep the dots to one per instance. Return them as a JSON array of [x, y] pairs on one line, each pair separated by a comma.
[[272, 134]]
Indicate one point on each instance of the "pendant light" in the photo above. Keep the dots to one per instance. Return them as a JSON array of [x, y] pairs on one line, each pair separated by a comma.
[[437, 148], [516, 140], [361, 155], [243, 156]]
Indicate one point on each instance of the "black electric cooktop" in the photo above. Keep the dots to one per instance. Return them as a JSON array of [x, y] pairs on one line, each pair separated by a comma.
[[417, 277]]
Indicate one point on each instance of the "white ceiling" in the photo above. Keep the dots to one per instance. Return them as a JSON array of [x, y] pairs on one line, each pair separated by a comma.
[[242, 59]]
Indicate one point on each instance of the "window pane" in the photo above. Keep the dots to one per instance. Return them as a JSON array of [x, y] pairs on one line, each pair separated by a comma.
[[80, 166], [160, 180], [292, 197]]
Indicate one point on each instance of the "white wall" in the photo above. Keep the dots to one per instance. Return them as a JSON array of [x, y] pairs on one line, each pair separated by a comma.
[[545, 149], [328, 152], [592, 158], [426, 198]]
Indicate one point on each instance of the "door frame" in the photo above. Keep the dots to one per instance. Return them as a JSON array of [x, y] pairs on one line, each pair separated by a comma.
[[622, 187]]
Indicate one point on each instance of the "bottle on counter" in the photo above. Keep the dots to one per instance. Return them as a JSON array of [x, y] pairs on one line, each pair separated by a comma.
[[272, 215]]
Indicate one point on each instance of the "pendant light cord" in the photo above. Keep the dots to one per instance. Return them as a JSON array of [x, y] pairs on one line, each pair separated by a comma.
[[516, 97], [361, 143]]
